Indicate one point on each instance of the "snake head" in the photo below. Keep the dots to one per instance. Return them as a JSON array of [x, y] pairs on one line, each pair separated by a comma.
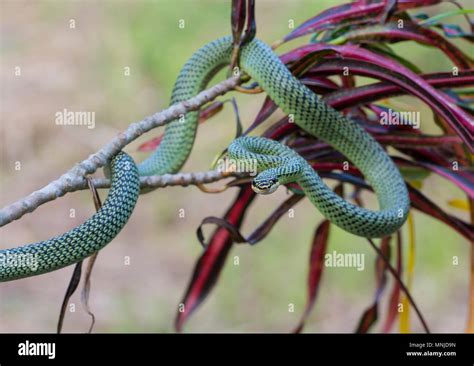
[[266, 182]]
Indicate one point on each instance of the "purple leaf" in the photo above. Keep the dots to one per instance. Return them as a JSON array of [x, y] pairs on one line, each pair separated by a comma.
[[441, 103], [344, 98], [358, 12], [391, 32]]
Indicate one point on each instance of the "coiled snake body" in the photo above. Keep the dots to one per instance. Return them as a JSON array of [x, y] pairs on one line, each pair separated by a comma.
[[277, 164]]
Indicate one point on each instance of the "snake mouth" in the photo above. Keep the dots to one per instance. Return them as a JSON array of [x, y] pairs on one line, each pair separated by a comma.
[[267, 189]]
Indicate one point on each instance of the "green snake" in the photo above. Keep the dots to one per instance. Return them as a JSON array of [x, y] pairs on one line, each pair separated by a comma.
[[277, 164]]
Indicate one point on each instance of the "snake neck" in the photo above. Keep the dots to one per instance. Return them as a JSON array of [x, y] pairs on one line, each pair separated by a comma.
[[180, 134]]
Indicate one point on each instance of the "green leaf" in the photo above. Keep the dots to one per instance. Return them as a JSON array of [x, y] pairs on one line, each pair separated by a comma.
[[435, 19], [414, 175]]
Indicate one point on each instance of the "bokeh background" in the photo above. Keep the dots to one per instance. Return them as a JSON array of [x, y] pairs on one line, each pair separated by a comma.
[[83, 69]]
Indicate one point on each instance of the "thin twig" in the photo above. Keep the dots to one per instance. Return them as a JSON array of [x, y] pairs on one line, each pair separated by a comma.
[[74, 178], [153, 181]]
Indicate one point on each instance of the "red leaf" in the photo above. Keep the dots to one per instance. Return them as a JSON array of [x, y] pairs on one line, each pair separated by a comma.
[[357, 12], [381, 267], [410, 4], [418, 201], [410, 32], [417, 140], [209, 265], [280, 129], [266, 111], [348, 13], [264, 228], [392, 311], [368, 318], [370, 315], [238, 14], [319, 85], [316, 266], [440, 102], [344, 98]]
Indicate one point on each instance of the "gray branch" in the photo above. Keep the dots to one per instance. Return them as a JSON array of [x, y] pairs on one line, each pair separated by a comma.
[[74, 179]]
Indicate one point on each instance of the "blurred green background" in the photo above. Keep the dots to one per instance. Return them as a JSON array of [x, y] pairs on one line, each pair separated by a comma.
[[83, 69]]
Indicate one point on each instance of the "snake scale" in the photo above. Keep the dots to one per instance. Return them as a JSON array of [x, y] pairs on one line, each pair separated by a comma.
[[277, 164]]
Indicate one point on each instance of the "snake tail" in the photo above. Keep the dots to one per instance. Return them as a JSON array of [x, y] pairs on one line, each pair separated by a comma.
[[84, 240]]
